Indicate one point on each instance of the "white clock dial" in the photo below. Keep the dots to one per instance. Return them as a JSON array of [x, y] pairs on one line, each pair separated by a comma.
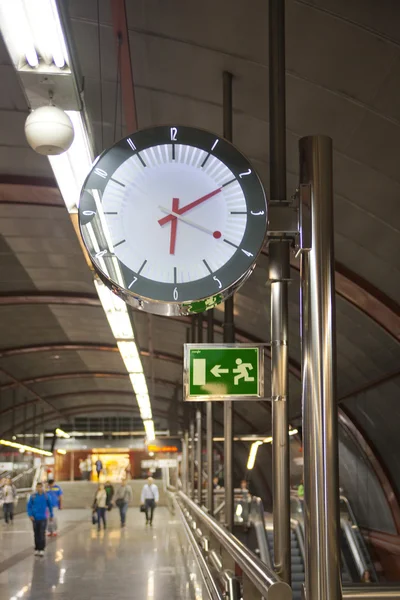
[[192, 241]]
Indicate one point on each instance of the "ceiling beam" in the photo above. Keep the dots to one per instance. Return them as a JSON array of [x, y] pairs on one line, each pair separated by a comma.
[[83, 375], [64, 298], [90, 409], [36, 396], [88, 346], [371, 385]]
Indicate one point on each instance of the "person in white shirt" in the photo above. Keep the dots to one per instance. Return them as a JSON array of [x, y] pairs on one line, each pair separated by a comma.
[[100, 505], [8, 495], [149, 498]]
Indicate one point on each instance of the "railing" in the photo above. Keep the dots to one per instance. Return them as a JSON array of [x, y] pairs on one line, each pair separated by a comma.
[[224, 553], [371, 592], [355, 540], [257, 521]]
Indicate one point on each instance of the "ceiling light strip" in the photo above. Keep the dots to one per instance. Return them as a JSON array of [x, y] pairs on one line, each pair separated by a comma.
[[25, 448]]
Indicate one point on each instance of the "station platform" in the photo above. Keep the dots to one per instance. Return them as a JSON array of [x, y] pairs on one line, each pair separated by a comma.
[[139, 561]]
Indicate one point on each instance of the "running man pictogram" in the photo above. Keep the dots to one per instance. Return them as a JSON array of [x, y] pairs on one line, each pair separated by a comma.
[[242, 370]]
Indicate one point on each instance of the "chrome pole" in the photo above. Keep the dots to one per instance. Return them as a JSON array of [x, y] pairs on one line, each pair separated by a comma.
[[320, 417], [192, 458], [185, 462], [210, 426], [229, 333], [279, 274], [199, 456]]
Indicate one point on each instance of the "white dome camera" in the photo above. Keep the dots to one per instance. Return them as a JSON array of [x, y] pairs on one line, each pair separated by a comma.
[[49, 130]]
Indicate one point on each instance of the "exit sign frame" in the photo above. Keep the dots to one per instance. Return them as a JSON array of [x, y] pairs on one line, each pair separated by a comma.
[[215, 373]]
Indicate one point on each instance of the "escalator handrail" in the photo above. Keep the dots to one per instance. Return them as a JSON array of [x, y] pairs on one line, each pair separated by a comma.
[[359, 541], [258, 521]]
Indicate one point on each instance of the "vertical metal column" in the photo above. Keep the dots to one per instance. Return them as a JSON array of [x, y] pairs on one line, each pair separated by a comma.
[[210, 426], [192, 457], [279, 273], [199, 456], [320, 418], [229, 332], [185, 462], [199, 427]]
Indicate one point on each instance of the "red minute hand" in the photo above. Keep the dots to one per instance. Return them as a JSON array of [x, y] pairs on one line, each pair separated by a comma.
[[188, 207]]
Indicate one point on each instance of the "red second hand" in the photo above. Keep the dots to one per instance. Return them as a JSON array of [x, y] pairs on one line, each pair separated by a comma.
[[174, 226]]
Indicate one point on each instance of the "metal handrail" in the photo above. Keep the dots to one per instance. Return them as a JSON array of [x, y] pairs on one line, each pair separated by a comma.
[[205, 571], [258, 521], [371, 592], [263, 578], [358, 541]]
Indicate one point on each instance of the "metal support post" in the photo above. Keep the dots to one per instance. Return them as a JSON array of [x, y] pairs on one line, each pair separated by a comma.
[[279, 274], [185, 462], [199, 455], [210, 426], [192, 458], [229, 333], [320, 416]]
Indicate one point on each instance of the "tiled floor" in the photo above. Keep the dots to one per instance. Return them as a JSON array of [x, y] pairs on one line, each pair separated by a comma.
[[137, 562]]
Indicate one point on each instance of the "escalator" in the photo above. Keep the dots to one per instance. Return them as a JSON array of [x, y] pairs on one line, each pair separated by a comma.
[[297, 564]]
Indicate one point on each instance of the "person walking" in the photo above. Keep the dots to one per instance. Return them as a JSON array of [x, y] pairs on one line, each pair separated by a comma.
[[110, 493], [149, 498], [55, 494], [38, 505], [82, 469], [8, 496], [99, 467], [100, 505], [122, 498], [89, 468]]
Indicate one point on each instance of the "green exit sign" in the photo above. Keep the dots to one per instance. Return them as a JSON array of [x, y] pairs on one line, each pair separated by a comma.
[[223, 372]]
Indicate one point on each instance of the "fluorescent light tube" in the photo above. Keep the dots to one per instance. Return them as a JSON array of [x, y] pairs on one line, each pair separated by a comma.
[[149, 429], [24, 448], [252, 455]]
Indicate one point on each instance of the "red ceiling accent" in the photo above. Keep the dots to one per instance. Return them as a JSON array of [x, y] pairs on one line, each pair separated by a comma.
[[121, 33]]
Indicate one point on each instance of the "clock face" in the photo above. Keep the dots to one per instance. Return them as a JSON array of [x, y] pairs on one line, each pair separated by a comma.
[[171, 216]]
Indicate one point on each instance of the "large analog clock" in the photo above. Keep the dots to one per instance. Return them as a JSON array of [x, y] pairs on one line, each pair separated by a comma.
[[173, 219]]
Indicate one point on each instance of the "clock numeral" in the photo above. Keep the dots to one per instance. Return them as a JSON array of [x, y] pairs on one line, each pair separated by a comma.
[[131, 144], [101, 173], [245, 173], [175, 294], [214, 144], [247, 253], [101, 253], [89, 213], [174, 132], [132, 282], [257, 214], [218, 281]]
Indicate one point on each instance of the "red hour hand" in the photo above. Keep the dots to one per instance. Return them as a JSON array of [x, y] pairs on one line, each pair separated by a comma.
[[174, 226], [188, 207]]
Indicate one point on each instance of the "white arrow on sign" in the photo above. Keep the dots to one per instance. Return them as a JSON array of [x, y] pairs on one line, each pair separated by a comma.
[[216, 371]]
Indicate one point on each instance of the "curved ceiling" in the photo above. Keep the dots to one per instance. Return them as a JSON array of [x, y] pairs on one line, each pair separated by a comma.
[[58, 358]]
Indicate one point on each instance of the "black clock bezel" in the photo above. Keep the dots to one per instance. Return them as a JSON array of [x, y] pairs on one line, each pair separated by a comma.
[[232, 272]]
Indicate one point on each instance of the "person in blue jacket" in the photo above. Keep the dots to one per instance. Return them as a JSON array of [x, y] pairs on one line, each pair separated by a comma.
[[38, 505], [55, 494]]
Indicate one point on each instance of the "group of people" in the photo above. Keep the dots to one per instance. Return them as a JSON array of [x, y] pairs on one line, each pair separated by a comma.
[[86, 468], [42, 510], [105, 499]]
